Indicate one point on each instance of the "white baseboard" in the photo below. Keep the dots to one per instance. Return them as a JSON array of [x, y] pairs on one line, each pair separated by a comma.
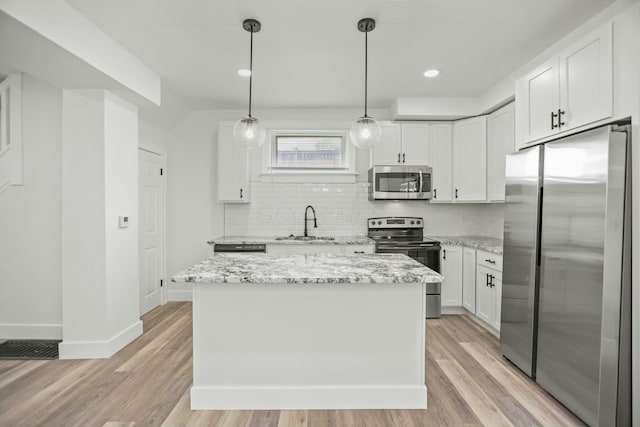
[[179, 295], [26, 331], [100, 349], [454, 310], [258, 398]]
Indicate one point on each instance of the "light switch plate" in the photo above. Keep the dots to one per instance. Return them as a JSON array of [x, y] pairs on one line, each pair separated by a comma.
[[123, 221]]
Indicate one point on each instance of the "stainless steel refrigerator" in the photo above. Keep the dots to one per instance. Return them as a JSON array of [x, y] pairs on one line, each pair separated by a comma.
[[565, 318]]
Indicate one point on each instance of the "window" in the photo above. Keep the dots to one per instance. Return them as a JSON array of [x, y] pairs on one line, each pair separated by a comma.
[[308, 151]]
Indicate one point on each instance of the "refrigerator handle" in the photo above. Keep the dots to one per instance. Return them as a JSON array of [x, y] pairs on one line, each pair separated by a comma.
[[539, 231]]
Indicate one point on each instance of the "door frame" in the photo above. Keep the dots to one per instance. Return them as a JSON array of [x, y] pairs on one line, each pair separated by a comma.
[[162, 152]]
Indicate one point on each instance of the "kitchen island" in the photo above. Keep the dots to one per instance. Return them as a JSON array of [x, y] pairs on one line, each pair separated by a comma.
[[308, 331]]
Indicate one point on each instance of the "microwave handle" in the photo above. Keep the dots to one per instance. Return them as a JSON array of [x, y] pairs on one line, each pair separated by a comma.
[[420, 172]]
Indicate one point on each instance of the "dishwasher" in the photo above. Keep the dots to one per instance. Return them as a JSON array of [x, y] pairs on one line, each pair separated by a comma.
[[239, 248]]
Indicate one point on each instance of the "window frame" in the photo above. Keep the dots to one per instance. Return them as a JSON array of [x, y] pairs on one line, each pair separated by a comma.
[[272, 173]]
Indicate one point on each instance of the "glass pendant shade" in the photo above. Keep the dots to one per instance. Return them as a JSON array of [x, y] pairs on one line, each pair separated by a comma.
[[250, 132], [365, 133]]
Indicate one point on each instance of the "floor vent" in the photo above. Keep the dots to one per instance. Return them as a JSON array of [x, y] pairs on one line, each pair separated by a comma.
[[29, 349]]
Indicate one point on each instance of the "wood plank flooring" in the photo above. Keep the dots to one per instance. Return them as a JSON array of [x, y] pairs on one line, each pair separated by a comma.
[[147, 384]]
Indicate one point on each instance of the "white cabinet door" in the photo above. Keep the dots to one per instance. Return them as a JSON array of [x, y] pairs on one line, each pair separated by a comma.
[[388, 151], [233, 170], [497, 299], [539, 93], [470, 160], [469, 279], [485, 300], [586, 80], [451, 267], [500, 142], [415, 147], [440, 150]]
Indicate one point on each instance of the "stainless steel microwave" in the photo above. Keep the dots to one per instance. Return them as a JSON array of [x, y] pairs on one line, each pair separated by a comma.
[[400, 183]]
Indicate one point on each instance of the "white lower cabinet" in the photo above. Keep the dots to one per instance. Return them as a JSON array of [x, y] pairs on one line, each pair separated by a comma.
[[469, 279], [451, 269], [489, 288]]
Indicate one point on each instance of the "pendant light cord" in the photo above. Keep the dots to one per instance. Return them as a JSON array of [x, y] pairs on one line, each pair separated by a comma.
[[366, 50], [250, 70]]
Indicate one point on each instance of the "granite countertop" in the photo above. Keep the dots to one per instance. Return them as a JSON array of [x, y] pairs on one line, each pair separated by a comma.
[[317, 268], [489, 244], [337, 240]]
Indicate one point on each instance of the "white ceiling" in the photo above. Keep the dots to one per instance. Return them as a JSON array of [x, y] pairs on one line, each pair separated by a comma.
[[310, 54]]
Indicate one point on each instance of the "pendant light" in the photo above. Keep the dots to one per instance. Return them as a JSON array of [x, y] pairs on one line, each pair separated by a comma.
[[365, 132], [248, 130]]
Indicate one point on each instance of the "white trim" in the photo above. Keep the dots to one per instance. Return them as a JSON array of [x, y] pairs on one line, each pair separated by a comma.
[[28, 331], [162, 152], [100, 349], [454, 310], [319, 397], [179, 295]]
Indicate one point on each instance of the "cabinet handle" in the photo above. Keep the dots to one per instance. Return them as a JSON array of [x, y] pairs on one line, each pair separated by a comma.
[[491, 276], [456, 193], [403, 157], [560, 114], [435, 193], [358, 252], [398, 157], [553, 123], [444, 254], [487, 274], [241, 193], [490, 261]]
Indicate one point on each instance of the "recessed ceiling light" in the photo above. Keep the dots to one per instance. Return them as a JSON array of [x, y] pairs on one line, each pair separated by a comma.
[[244, 72], [431, 73]]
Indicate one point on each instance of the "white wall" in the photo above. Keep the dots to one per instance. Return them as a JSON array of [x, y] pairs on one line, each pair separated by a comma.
[[30, 223], [99, 259]]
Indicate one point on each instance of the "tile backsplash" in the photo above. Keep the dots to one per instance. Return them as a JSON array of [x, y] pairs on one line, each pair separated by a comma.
[[343, 209]]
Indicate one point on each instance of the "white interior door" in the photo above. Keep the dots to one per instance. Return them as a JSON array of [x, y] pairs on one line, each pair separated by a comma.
[[150, 229]]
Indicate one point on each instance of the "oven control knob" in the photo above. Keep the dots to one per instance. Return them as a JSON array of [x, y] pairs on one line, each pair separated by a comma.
[[418, 222], [379, 222], [412, 222], [373, 223]]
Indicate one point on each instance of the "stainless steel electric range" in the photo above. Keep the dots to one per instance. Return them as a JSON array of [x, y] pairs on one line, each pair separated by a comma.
[[404, 235]]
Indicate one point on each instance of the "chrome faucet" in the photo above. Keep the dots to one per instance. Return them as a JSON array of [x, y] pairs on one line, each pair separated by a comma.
[[315, 222]]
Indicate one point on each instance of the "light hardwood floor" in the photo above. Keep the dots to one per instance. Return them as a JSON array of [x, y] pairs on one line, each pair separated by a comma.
[[147, 384]]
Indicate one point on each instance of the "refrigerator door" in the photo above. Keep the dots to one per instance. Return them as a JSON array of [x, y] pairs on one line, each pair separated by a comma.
[[519, 277], [581, 262]]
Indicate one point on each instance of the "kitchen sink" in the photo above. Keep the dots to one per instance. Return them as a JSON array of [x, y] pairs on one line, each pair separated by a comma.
[[305, 238]]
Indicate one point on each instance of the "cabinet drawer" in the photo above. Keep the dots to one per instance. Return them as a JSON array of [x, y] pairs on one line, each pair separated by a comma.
[[489, 260]]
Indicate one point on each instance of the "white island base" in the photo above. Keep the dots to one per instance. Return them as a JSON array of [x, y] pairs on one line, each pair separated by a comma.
[[308, 346]]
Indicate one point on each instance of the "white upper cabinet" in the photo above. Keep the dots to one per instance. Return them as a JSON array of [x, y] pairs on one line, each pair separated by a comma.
[[233, 169], [569, 90], [388, 150], [415, 147], [470, 160], [402, 144], [440, 154], [500, 142], [586, 80]]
